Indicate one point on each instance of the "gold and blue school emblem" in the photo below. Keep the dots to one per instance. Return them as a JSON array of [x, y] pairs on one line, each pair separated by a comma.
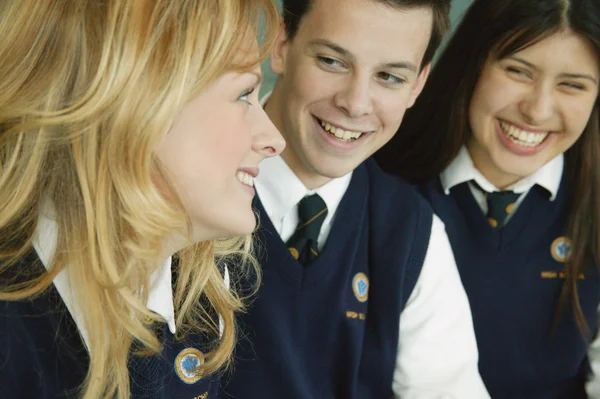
[[187, 365], [561, 249], [360, 286]]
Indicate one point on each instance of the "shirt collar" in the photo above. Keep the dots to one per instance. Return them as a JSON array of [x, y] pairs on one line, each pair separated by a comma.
[[462, 169], [160, 298], [280, 189]]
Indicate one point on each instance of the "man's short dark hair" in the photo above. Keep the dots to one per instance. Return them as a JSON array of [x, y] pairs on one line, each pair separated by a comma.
[[294, 10]]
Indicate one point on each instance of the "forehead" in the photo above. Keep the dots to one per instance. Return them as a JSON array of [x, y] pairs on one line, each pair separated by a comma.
[[369, 28]]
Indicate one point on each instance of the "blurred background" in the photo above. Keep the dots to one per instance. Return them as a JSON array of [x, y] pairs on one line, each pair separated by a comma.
[[458, 8]]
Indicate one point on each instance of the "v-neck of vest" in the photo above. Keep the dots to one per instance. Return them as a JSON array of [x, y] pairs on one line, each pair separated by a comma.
[[524, 218], [354, 202]]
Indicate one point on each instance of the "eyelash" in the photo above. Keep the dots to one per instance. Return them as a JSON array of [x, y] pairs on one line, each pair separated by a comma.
[[396, 80], [573, 86], [246, 93], [517, 71], [521, 72], [332, 63], [329, 62]]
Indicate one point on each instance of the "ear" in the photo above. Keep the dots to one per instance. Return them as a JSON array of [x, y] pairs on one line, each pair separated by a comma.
[[419, 85], [279, 51]]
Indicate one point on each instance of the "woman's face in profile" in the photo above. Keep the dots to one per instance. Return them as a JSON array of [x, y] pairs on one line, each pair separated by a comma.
[[532, 105], [213, 150]]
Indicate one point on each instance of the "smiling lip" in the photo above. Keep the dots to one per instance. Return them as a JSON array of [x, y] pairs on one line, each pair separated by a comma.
[[245, 176], [251, 170], [335, 142], [528, 129], [345, 128], [520, 149]]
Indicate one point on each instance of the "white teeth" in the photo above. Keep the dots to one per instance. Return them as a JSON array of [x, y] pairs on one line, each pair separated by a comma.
[[522, 137], [245, 178], [341, 134]]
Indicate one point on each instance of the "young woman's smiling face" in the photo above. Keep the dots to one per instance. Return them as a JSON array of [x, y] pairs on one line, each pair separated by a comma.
[[212, 154], [531, 106]]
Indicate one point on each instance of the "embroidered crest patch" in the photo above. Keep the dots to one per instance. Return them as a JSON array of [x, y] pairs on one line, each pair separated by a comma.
[[360, 286], [561, 249], [187, 365]]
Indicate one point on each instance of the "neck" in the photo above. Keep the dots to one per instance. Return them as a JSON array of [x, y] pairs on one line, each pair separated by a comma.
[[171, 246]]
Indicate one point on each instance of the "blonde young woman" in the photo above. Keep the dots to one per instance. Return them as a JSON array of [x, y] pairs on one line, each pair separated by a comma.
[[130, 132]]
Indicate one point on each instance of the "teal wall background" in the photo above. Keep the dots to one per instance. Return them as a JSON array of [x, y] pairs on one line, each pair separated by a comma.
[[458, 8]]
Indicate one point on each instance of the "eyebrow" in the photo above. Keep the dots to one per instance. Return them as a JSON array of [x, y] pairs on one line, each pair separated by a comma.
[[345, 53], [564, 75]]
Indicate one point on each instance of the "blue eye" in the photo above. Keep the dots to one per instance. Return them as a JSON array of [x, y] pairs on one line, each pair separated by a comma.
[[244, 96]]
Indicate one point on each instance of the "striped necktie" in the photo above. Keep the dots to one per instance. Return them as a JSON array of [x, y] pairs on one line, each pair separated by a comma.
[[312, 211], [500, 205]]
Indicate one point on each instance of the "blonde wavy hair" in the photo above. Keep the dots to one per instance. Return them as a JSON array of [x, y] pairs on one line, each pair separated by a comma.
[[88, 89]]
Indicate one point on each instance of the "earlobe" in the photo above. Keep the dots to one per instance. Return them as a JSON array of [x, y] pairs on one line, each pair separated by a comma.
[[419, 85], [278, 53]]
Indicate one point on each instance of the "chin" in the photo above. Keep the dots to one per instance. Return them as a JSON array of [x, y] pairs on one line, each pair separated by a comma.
[[340, 171], [517, 172]]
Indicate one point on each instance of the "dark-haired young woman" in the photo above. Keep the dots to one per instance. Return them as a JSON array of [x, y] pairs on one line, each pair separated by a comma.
[[505, 144]]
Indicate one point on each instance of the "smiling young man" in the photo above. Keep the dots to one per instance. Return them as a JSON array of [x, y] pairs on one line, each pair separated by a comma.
[[360, 296]]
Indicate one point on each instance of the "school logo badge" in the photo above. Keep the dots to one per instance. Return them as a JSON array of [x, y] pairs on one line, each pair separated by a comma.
[[187, 365], [561, 249], [360, 286]]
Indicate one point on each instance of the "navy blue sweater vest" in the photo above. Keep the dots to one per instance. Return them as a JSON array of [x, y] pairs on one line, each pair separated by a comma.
[[513, 281], [320, 332], [42, 355]]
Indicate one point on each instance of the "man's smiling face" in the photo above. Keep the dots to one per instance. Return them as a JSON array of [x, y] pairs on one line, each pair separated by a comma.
[[345, 81]]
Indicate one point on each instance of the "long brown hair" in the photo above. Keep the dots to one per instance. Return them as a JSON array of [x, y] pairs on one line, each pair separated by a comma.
[[435, 129], [88, 89]]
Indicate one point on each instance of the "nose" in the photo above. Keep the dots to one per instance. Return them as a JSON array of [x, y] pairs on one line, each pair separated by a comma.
[[266, 139], [354, 99], [538, 106]]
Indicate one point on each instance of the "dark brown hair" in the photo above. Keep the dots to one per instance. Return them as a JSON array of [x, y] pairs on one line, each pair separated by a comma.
[[294, 10], [438, 125]]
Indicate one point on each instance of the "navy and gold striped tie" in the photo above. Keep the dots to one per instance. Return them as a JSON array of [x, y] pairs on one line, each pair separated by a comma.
[[500, 205], [312, 211]]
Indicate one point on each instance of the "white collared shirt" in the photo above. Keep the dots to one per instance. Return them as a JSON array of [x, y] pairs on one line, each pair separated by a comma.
[[160, 297], [462, 170], [280, 190], [438, 356]]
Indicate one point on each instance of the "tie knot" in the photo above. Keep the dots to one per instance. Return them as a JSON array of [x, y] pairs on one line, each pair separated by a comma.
[[312, 211]]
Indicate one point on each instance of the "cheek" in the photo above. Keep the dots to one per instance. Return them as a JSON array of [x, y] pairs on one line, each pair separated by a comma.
[[390, 110], [493, 93], [392, 119], [311, 84], [482, 103], [232, 144], [489, 102], [577, 118]]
